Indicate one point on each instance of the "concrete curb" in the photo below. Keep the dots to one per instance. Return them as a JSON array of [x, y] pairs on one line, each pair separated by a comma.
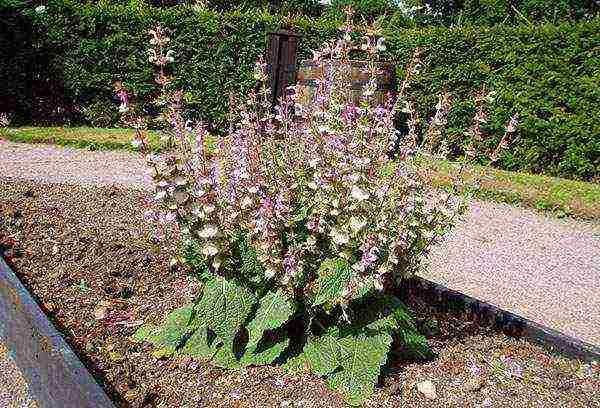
[[510, 323], [56, 377]]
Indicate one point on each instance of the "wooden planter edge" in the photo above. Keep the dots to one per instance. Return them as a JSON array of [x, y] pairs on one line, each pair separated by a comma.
[[55, 375]]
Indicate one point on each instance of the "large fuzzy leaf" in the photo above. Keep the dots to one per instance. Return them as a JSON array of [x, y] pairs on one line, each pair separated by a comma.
[[224, 307], [296, 364], [334, 275], [225, 356], [170, 335], [361, 357], [198, 345], [323, 353], [274, 309], [250, 267], [265, 355], [388, 313]]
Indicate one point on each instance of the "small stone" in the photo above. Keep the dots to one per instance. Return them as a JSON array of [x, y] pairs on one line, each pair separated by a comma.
[[474, 384], [100, 312], [427, 389]]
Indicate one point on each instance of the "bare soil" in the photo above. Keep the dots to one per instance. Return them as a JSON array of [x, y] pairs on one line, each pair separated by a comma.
[[83, 253]]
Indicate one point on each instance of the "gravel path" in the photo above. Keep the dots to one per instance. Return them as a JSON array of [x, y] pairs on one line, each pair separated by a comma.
[[542, 268], [13, 388]]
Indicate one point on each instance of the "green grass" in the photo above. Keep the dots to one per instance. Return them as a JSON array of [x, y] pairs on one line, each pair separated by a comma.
[[80, 137], [559, 197]]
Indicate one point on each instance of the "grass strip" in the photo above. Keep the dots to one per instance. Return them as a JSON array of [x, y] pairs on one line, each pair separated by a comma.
[[556, 196]]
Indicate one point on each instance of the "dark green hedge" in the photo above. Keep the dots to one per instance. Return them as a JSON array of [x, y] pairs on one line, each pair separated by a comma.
[[72, 55], [548, 74]]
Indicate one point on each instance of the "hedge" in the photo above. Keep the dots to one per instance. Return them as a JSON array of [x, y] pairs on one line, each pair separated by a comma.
[[548, 74]]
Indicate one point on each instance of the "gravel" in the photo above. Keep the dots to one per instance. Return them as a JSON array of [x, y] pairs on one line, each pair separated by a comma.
[[542, 268], [82, 252], [13, 388]]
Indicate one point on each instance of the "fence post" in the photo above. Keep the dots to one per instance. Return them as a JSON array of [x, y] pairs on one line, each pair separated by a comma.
[[282, 56]]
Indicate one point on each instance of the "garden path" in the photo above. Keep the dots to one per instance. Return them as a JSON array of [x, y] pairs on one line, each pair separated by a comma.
[[542, 268]]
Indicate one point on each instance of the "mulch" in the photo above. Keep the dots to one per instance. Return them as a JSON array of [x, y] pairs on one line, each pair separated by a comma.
[[85, 255]]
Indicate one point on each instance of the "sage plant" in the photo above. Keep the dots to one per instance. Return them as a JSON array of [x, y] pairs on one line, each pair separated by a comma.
[[307, 215]]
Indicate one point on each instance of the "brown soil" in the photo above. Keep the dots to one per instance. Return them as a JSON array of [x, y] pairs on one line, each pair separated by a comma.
[[84, 254]]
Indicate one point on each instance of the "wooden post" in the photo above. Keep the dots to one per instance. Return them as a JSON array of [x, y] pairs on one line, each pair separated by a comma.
[[282, 55]]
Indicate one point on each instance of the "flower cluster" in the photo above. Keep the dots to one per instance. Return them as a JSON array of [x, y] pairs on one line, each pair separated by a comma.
[[4, 119], [303, 182]]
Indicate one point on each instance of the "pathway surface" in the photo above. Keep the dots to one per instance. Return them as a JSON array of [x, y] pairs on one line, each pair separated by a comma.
[[13, 388], [542, 268]]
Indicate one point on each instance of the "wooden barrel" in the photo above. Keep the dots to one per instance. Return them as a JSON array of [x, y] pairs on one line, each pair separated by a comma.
[[309, 71]]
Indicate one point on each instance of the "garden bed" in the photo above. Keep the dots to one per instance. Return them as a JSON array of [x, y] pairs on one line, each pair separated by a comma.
[[82, 252]]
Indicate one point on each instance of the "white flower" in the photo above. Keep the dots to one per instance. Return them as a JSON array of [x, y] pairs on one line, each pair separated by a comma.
[[357, 224], [180, 181], [209, 208], [136, 143], [353, 178], [269, 273], [359, 194], [197, 212], [377, 282], [313, 162], [380, 46], [312, 185], [339, 237], [40, 9], [123, 108], [170, 56], [209, 231], [246, 202], [210, 250], [160, 195]]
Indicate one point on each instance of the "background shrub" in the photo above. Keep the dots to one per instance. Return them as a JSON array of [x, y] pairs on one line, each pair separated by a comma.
[[545, 73], [70, 56]]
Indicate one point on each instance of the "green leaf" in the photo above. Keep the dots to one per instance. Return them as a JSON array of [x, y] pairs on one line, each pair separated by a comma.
[[334, 275], [198, 346], [266, 356], [274, 309], [146, 332], [322, 353], [226, 358], [250, 266], [296, 364], [414, 344], [361, 358], [224, 307], [170, 335]]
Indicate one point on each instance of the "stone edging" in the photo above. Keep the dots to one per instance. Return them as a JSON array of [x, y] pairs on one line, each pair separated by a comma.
[[56, 377], [510, 323]]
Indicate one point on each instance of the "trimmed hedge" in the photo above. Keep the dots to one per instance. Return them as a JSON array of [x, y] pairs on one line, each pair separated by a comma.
[[548, 74]]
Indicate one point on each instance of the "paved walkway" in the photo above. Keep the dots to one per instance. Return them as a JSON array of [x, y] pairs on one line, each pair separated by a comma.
[[542, 268]]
